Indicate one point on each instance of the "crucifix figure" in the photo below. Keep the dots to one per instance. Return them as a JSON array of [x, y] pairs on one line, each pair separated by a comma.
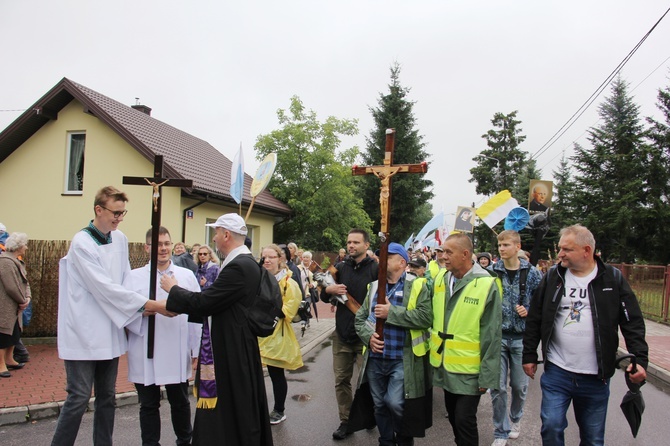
[[385, 173], [156, 183]]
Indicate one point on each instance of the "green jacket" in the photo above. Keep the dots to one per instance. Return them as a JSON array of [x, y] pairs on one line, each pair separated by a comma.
[[490, 340], [417, 372]]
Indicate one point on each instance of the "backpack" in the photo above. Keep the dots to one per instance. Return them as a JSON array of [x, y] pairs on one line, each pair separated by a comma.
[[265, 312]]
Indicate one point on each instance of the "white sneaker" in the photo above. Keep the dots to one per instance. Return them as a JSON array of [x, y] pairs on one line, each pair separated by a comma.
[[499, 442], [515, 430]]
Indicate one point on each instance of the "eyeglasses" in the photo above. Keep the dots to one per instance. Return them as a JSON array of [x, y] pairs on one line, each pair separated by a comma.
[[203, 253], [116, 214], [162, 245]]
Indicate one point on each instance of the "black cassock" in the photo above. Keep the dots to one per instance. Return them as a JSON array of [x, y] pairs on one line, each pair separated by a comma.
[[241, 413]]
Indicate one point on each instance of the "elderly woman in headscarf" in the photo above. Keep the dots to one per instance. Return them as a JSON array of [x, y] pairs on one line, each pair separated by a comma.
[[14, 298], [281, 350]]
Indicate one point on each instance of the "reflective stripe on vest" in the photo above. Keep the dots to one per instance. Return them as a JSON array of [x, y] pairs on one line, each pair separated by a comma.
[[459, 349]]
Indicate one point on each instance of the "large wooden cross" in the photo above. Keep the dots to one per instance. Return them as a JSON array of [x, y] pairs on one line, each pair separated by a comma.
[[385, 173], [156, 183]]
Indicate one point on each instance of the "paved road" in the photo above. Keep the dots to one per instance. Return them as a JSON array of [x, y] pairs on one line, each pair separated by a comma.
[[312, 416]]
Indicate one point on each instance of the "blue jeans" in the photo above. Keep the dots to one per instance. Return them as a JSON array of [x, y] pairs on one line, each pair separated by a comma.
[[510, 359], [589, 396], [82, 377], [387, 384]]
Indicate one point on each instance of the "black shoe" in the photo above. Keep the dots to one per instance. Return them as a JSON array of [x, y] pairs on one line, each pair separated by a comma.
[[16, 366], [341, 432], [21, 358]]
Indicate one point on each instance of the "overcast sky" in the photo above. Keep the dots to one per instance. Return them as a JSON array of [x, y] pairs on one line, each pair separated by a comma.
[[220, 70]]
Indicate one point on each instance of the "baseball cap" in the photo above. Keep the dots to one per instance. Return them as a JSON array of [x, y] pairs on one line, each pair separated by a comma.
[[418, 262], [439, 248], [232, 222], [397, 248]]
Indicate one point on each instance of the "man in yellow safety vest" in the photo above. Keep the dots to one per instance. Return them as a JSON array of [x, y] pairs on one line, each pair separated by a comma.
[[466, 335]]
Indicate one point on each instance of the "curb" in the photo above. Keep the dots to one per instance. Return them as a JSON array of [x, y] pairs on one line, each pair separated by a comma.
[[25, 414]]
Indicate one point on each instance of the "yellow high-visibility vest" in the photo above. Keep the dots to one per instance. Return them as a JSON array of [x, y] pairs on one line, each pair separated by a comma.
[[458, 351], [420, 338]]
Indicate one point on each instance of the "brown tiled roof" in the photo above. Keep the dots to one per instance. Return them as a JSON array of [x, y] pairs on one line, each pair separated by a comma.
[[185, 155]]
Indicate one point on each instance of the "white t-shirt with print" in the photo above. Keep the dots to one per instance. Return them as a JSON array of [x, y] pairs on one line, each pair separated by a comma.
[[572, 344]]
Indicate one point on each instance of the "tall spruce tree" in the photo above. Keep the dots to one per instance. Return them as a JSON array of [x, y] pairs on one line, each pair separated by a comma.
[[655, 225], [562, 209], [502, 166], [499, 166], [409, 191], [610, 177]]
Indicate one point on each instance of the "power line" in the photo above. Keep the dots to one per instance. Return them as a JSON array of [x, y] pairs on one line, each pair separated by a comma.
[[574, 141], [580, 111]]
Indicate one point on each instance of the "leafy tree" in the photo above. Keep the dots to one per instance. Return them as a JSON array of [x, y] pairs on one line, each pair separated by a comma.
[[313, 178], [410, 192], [499, 166], [610, 183], [655, 226]]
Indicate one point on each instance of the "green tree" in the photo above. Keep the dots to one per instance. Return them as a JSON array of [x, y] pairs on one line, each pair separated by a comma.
[[501, 164], [409, 191], [313, 178], [655, 225], [610, 184], [520, 188]]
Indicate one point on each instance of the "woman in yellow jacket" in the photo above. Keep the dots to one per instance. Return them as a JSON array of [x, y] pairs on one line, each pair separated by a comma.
[[281, 350]]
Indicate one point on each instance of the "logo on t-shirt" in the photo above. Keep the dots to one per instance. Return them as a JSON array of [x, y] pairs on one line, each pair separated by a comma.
[[575, 313]]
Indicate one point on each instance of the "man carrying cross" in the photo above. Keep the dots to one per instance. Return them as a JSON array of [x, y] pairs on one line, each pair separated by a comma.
[[93, 309], [396, 367]]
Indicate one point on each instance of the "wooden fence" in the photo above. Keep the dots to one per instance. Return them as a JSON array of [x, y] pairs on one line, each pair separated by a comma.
[[42, 264]]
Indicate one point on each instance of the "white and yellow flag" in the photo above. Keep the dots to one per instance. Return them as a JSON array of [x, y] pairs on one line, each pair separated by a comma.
[[497, 208]]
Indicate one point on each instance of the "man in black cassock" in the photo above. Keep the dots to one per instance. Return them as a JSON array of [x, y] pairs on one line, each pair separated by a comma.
[[232, 404]]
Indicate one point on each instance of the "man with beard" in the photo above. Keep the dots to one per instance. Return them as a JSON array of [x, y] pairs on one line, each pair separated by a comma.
[[353, 276]]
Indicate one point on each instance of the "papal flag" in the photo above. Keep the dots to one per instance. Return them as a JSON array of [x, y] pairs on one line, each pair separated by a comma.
[[237, 177], [496, 208]]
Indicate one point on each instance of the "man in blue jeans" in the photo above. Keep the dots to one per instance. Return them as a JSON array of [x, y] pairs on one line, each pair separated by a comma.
[[93, 309], [576, 312], [396, 367], [519, 281]]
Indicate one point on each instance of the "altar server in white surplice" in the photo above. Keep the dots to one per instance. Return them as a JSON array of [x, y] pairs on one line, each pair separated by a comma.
[[171, 364], [93, 308]]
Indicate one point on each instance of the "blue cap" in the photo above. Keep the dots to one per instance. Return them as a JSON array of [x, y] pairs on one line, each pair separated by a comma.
[[397, 248]]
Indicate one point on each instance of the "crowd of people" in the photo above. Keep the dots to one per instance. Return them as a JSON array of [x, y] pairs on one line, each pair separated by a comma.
[[466, 322]]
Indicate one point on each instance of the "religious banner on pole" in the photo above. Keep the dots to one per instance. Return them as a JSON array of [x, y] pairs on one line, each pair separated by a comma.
[[465, 219], [237, 178], [385, 173], [262, 178], [157, 182]]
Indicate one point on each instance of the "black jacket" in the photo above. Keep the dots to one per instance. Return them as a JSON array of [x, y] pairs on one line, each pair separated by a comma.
[[356, 276], [613, 305]]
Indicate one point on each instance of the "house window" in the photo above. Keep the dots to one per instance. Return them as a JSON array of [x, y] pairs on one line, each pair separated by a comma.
[[74, 181]]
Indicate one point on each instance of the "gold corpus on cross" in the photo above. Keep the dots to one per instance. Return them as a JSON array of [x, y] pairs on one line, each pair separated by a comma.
[[156, 183], [385, 174], [156, 193]]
